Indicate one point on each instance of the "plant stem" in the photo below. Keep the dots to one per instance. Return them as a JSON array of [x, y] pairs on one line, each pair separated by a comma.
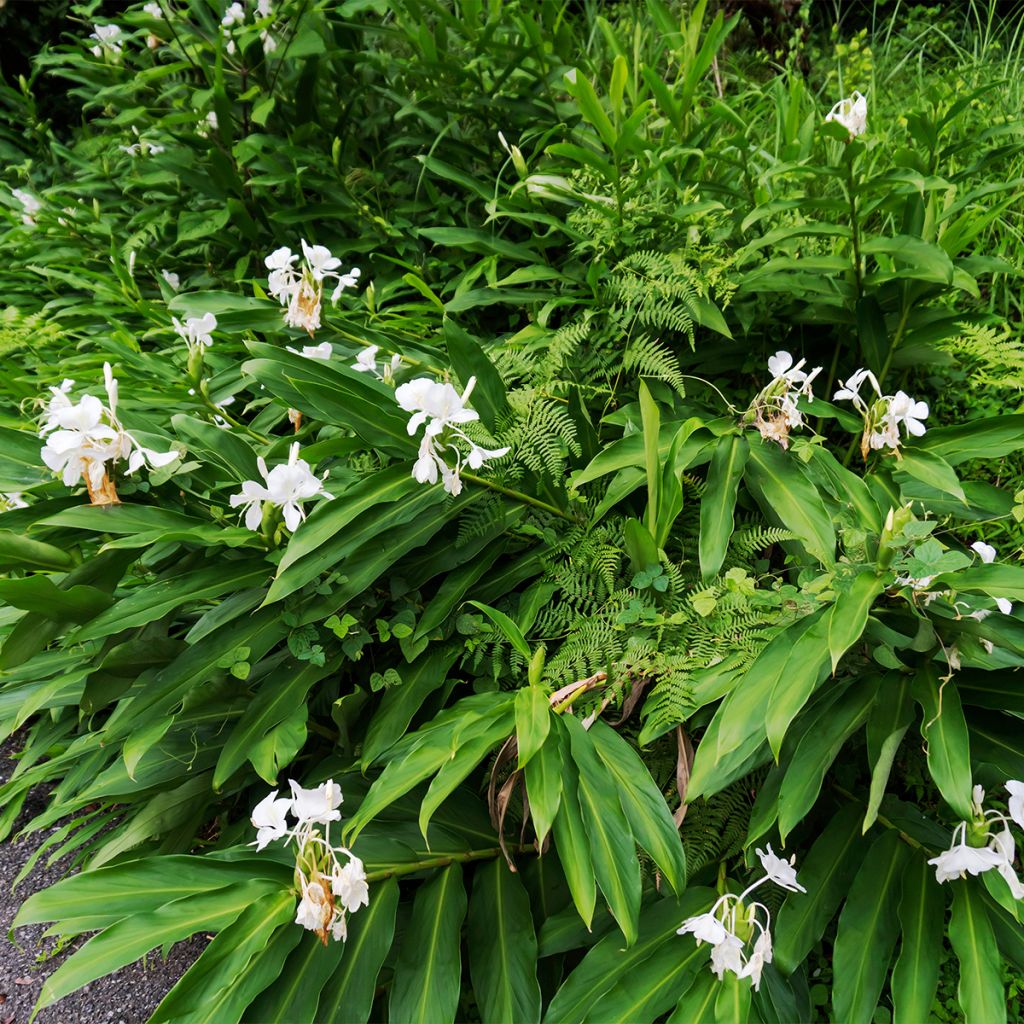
[[858, 271], [526, 499], [490, 853], [882, 819]]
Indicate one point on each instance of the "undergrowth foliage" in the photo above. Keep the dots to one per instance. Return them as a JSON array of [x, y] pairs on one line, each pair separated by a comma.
[[479, 503]]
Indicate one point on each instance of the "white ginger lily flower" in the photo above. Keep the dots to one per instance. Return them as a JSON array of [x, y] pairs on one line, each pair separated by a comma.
[[1016, 802], [1002, 842], [961, 860], [234, 15], [301, 289], [288, 486], [704, 928], [172, 279], [153, 10], [366, 362], [322, 351], [851, 113], [9, 502], [29, 204], [349, 885], [196, 331], [727, 956], [781, 872], [760, 955], [319, 260], [269, 819], [909, 412], [314, 911], [108, 40], [849, 390], [781, 367], [987, 554], [316, 806]]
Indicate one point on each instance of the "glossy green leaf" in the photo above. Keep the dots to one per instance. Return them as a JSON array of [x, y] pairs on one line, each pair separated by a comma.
[[502, 947], [980, 990], [719, 501], [868, 927], [944, 730], [890, 718], [543, 777], [533, 721], [915, 977], [428, 969]]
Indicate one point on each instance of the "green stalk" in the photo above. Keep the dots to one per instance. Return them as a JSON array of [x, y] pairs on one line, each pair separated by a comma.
[[526, 499], [490, 853]]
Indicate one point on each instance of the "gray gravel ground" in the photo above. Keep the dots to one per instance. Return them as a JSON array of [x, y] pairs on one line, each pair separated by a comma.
[[127, 997]]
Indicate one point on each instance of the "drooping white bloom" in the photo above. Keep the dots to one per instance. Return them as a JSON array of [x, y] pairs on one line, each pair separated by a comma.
[[1003, 844], [318, 805], [314, 911], [704, 928], [960, 860], [366, 362], [774, 411], [984, 551], [196, 331], [781, 366], [849, 390], [269, 819], [29, 204], [909, 412], [1016, 803], [781, 872], [851, 113], [234, 15], [322, 351], [172, 279], [760, 955], [269, 46], [11, 501], [727, 956], [288, 486], [153, 10], [349, 885], [264, 8], [108, 40]]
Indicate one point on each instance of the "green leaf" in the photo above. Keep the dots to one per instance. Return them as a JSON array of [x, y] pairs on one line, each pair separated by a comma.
[[867, 931], [507, 626], [732, 1004], [945, 732], [718, 502], [995, 580], [889, 721], [930, 469], [218, 447], [980, 992], [428, 969], [213, 989], [294, 994], [611, 838], [134, 936], [607, 963], [825, 872], [41, 595], [819, 747], [543, 777], [533, 721], [788, 498], [697, 1003], [570, 833], [979, 439], [470, 360], [915, 977], [502, 947], [20, 552], [651, 421], [643, 803], [347, 996]]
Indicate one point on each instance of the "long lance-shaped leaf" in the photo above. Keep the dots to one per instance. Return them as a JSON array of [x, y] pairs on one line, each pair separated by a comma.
[[915, 977], [607, 963], [502, 947], [867, 931], [945, 731], [643, 803], [825, 872], [347, 995], [212, 990], [980, 991], [131, 938], [533, 721], [543, 776], [718, 502], [889, 721], [297, 989], [697, 1003], [570, 832], [428, 971], [787, 497], [612, 846]]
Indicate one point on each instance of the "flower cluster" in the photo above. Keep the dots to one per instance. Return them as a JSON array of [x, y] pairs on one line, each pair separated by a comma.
[[327, 888], [730, 925], [443, 410], [301, 290], [83, 437], [108, 41], [977, 846], [29, 204], [287, 487], [884, 415], [774, 411], [235, 15], [851, 113], [366, 362]]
